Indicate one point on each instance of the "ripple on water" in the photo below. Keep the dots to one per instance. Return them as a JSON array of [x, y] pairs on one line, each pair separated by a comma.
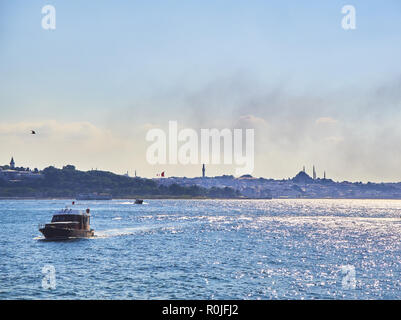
[[207, 249]]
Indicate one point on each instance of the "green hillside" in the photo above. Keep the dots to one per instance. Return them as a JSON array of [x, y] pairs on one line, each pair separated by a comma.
[[69, 182]]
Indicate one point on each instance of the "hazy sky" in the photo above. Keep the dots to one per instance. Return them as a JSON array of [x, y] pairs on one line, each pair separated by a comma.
[[314, 92]]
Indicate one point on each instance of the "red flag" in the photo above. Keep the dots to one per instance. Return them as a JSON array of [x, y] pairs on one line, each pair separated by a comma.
[[163, 174]]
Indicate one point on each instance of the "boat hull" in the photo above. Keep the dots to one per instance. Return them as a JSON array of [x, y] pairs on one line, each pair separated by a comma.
[[65, 233]]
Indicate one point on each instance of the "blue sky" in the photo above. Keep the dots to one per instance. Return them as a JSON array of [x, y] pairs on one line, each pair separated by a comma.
[[112, 69]]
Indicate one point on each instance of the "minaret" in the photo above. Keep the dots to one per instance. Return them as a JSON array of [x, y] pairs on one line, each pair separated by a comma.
[[12, 163], [203, 171], [303, 169], [324, 175], [314, 173]]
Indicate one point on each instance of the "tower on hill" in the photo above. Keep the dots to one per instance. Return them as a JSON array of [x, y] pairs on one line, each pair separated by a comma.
[[12, 163]]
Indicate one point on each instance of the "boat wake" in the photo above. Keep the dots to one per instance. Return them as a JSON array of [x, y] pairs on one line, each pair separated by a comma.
[[118, 232], [131, 202]]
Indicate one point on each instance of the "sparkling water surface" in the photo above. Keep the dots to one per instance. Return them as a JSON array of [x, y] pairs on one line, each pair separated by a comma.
[[206, 249]]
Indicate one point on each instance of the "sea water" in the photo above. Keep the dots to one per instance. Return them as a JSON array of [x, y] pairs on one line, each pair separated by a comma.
[[206, 249]]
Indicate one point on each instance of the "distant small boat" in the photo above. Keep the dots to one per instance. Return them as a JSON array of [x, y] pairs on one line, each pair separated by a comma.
[[94, 196], [138, 201]]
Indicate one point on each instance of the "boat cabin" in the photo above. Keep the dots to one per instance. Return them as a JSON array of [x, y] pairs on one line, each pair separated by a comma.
[[73, 218]]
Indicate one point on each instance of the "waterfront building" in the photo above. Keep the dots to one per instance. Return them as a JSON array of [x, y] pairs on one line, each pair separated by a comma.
[[17, 174]]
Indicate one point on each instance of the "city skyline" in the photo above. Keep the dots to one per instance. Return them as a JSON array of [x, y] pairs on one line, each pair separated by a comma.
[[313, 92], [203, 173]]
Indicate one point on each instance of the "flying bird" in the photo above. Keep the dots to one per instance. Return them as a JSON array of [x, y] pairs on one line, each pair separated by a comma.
[[33, 132]]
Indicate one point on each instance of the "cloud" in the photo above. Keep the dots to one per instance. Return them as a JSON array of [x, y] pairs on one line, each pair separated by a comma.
[[326, 120], [250, 121], [334, 139], [58, 143], [292, 129], [148, 126], [51, 128]]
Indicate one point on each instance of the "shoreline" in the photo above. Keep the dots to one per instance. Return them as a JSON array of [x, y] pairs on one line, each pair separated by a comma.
[[188, 198]]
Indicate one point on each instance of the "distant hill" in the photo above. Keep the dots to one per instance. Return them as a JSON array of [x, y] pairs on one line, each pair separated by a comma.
[[69, 182]]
